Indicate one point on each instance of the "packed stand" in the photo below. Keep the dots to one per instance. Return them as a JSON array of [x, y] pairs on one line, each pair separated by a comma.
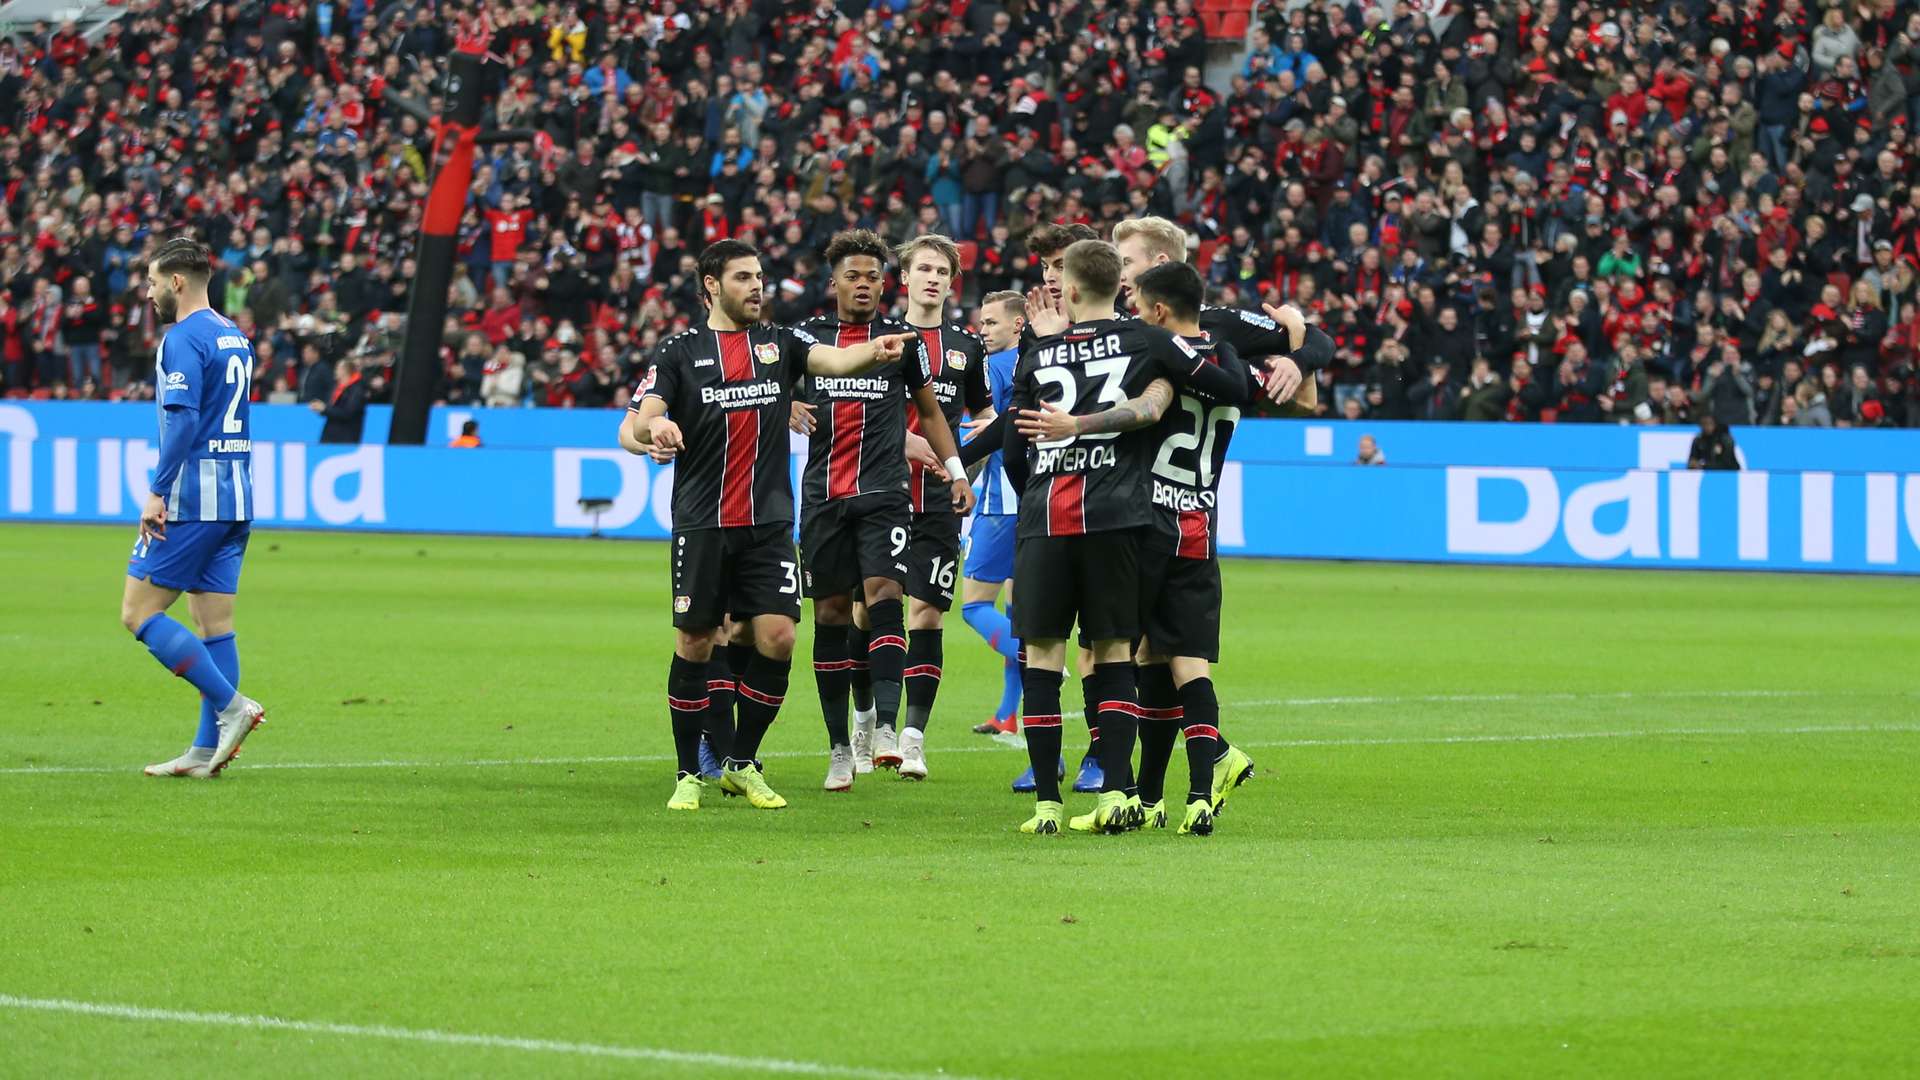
[[1514, 211]]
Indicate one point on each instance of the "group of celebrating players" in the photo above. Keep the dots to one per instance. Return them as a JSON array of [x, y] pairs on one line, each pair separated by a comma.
[[1099, 440]]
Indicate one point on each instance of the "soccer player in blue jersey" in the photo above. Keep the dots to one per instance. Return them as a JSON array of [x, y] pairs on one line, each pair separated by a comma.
[[194, 527], [989, 562]]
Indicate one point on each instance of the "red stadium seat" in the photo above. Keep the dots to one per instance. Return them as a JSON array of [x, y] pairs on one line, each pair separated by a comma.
[[969, 255], [1233, 26], [1203, 257]]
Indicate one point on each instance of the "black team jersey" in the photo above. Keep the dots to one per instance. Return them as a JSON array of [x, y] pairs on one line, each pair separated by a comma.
[[1098, 483], [730, 391], [1190, 449], [860, 432], [957, 364]]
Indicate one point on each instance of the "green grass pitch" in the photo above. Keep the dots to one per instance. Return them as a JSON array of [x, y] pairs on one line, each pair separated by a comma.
[[1507, 822]]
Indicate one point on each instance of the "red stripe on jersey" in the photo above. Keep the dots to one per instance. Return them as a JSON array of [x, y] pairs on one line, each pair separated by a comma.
[[1175, 713], [1125, 708], [849, 425], [736, 482], [921, 671], [936, 358], [843, 454], [1040, 721], [1066, 505], [743, 435], [833, 665], [1203, 731], [890, 641], [1193, 535], [688, 704], [736, 355]]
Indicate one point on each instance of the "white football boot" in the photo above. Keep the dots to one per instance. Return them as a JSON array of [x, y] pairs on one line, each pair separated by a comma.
[[236, 722], [840, 770], [913, 755]]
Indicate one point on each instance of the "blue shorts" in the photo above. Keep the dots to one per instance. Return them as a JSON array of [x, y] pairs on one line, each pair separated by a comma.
[[990, 548], [196, 556]]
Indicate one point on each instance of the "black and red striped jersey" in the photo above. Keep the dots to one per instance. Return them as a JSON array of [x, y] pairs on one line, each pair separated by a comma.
[[1097, 482], [1190, 450], [860, 430], [956, 362], [731, 392]]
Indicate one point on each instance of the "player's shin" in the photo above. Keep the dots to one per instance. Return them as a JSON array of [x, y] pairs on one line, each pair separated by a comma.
[[1159, 727], [761, 691], [925, 655], [861, 676], [688, 703], [1042, 690], [1112, 687], [992, 625], [887, 658], [739, 655], [184, 654], [226, 657], [832, 677], [1202, 720], [720, 692]]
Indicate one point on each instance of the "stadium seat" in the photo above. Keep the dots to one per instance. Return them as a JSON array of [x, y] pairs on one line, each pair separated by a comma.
[[969, 255], [1233, 26], [1203, 257]]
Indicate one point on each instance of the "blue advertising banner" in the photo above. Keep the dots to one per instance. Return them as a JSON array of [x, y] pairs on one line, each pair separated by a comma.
[[1532, 494]]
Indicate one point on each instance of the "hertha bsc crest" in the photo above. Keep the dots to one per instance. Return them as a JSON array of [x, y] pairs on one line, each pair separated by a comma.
[[768, 353], [956, 360]]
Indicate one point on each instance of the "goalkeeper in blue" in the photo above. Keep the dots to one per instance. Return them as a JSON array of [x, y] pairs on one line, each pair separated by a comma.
[[194, 526]]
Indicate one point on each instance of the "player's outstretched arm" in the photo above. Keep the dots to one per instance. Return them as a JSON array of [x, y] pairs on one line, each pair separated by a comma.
[[933, 425], [832, 360]]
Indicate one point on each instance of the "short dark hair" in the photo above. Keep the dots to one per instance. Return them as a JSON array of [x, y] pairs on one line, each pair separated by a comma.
[[714, 260], [183, 255], [848, 243], [1048, 240], [1095, 265], [1175, 284]]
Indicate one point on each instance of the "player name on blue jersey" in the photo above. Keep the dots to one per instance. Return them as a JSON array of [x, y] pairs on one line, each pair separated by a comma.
[[204, 368]]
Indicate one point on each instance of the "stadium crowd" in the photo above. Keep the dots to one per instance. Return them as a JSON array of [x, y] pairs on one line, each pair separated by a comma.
[[1510, 210]]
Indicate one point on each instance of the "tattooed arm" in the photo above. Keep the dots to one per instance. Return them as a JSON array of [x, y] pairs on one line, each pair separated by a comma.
[[1051, 423]]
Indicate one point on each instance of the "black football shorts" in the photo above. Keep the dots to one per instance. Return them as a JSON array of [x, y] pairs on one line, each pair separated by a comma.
[[849, 540], [1092, 579], [933, 558], [1180, 605], [743, 572]]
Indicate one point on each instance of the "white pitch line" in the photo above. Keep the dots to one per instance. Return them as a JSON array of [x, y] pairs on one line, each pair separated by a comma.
[[1017, 742], [457, 1038]]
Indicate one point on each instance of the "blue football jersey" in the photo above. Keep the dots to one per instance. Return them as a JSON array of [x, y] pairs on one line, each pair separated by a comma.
[[204, 379], [995, 491]]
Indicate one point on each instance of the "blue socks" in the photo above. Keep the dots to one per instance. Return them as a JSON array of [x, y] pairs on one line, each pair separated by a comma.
[[995, 627], [1009, 692], [184, 654], [226, 657]]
